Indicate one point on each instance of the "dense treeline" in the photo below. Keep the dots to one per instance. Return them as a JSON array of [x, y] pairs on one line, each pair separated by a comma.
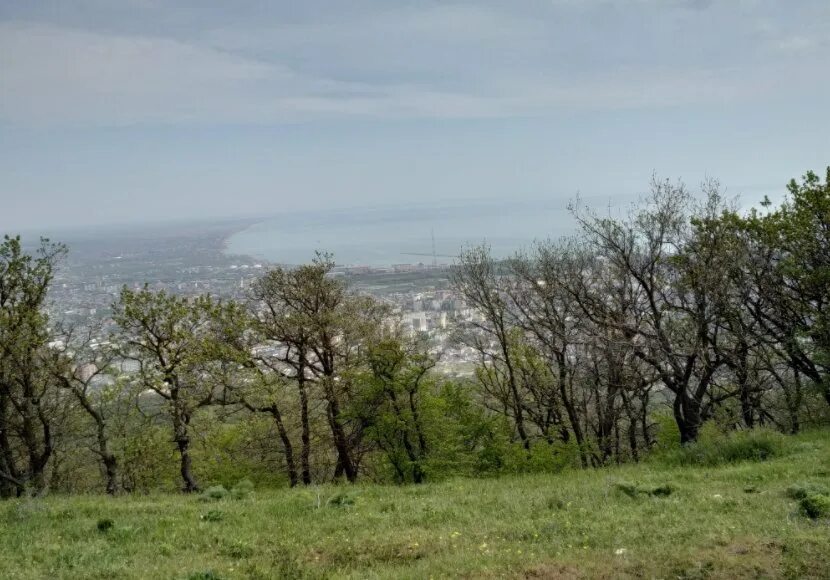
[[592, 349]]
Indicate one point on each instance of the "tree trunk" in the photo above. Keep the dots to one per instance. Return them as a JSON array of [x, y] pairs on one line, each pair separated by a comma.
[[180, 425], [341, 443], [109, 460], [10, 484], [287, 447], [518, 410], [744, 391], [305, 451], [570, 409], [687, 416]]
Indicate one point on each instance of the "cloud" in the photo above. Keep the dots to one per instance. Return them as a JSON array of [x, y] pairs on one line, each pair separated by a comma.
[[407, 61], [50, 74]]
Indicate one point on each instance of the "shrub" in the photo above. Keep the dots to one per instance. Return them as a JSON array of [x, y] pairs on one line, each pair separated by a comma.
[[667, 434], [716, 448], [341, 499], [753, 445], [214, 493], [815, 506], [801, 491], [242, 489], [213, 516]]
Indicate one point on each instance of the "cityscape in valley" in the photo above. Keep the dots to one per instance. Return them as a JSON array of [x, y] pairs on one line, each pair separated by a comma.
[[191, 259]]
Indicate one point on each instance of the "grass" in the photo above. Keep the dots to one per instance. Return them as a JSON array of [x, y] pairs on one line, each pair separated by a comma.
[[653, 520]]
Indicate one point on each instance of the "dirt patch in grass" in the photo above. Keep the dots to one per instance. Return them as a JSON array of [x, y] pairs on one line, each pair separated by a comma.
[[740, 558], [367, 554]]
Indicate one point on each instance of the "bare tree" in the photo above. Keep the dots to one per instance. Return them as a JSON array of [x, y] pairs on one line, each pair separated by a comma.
[[482, 285]]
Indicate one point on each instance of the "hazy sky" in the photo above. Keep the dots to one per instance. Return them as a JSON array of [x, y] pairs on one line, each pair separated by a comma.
[[114, 111]]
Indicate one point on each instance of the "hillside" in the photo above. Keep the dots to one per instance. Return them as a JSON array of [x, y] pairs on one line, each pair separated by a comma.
[[648, 520]]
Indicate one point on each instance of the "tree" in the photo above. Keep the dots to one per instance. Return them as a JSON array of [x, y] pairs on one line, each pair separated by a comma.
[[27, 390], [81, 366], [482, 285], [169, 336], [389, 403], [316, 329], [791, 277], [681, 283], [255, 371]]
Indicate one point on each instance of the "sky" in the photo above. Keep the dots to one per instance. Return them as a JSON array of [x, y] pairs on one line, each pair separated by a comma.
[[150, 110]]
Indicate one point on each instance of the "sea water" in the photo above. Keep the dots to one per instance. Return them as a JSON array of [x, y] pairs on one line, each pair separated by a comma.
[[383, 236]]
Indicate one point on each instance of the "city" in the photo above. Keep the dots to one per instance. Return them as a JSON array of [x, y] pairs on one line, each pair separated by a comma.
[[190, 260]]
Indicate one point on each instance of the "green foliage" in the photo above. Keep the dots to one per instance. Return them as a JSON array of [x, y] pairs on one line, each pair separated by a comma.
[[803, 490], [667, 433], [212, 516], [147, 459], [815, 506], [342, 499], [542, 457], [28, 402], [243, 489], [795, 279], [716, 448], [391, 404], [214, 493], [526, 526], [227, 452]]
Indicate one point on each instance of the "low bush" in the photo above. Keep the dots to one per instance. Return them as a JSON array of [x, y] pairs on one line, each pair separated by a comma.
[[342, 499], [815, 506], [242, 489], [716, 448], [214, 493], [801, 491], [212, 516]]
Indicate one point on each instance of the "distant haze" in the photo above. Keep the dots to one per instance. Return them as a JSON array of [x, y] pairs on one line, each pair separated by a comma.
[[382, 236], [144, 110]]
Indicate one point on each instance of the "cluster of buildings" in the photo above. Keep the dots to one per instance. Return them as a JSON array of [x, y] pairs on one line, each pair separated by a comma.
[[421, 296]]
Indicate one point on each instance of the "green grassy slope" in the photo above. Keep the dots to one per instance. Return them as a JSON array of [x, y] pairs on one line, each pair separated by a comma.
[[717, 522]]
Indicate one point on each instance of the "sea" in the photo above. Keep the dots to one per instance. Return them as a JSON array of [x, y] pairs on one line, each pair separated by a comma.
[[405, 234]]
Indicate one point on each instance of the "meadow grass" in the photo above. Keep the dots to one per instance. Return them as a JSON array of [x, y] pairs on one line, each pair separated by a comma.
[[649, 520]]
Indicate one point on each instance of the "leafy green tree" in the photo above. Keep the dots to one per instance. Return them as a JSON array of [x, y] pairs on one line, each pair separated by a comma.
[[390, 403], [317, 330], [83, 367], [170, 337], [791, 276], [28, 398]]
